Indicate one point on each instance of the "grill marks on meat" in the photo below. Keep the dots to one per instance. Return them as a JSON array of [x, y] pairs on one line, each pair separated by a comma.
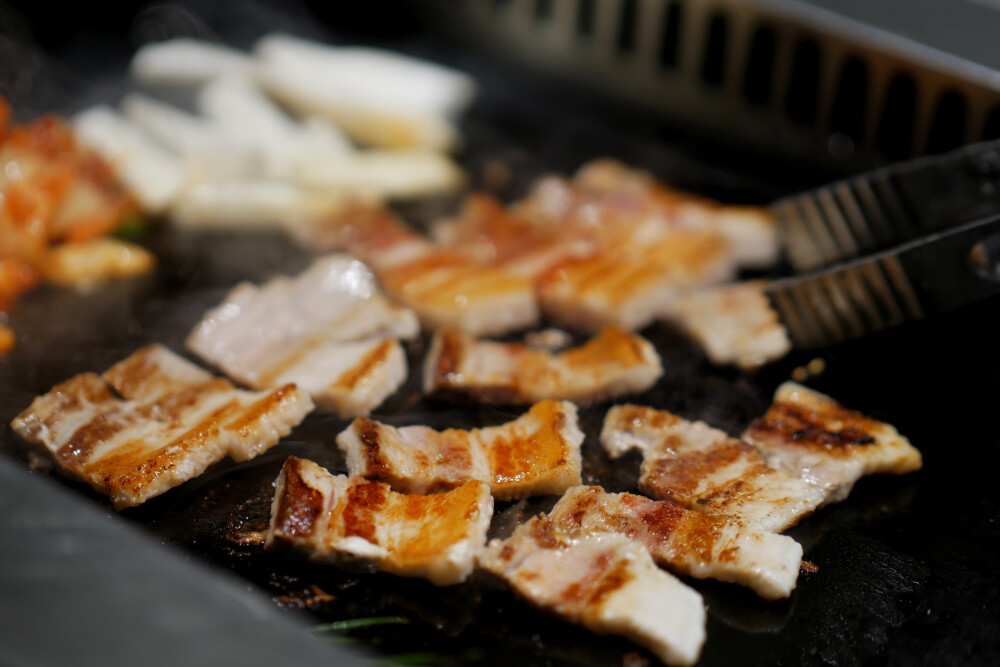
[[696, 544], [154, 421], [705, 470], [598, 254], [806, 451], [613, 363], [335, 519], [609, 247], [631, 284], [536, 454], [604, 582], [811, 435], [329, 330], [735, 324], [444, 286]]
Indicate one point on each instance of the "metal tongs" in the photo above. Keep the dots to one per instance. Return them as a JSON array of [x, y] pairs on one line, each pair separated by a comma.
[[893, 245]]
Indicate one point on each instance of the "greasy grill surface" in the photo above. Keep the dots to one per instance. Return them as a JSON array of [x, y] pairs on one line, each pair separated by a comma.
[[906, 566]]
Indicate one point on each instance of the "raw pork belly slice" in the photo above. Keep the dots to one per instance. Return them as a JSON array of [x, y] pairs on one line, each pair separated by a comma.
[[703, 469], [613, 363], [444, 286], [809, 434], [604, 582], [336, 519], [329, 330], [735, 324], [154, 421], [536, 454], [704, 546]]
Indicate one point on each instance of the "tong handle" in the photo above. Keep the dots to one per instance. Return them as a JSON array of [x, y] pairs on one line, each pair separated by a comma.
[[934, 274], [889, 206]]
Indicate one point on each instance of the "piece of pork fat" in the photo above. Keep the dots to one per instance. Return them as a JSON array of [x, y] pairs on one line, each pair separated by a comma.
[[340, 520], [536, 454], [631, 284], [811, 435], [704, 546], [734, 324], [593, 262], [613, 363], [444, 286], [752, 231], [602, 581], [703, 469], [154, 421], [328, 330]]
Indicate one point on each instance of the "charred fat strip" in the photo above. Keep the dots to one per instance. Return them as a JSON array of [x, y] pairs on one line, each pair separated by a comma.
[[703, 469], [335, 519], [605, 582], [154, 421], [704, 546], [330, 331], [734, 323], [536, 454], [613, 363], [809, 434]]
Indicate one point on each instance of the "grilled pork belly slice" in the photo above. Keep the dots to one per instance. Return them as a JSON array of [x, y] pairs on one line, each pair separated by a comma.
[[448, 289], [335, 519], [604, 582], [329, 330], [632, 284], [613, 363], [154, 421], [444, 286], [703, 469], [752, 232], [735, 324], [536, 454], [696, 544], [595, 260], [811, 435]]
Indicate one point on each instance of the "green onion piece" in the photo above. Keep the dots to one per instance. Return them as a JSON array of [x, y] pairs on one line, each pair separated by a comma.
[[132, 228], [356, 623]]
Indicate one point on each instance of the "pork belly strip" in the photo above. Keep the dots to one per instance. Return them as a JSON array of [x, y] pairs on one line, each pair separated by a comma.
[[329, 330], [735, 324], [613, 363], [601, 201], [593, 262], [445, 287], [536, 454], [811, 435], [631, 285], [154, 421], [336, 519], [696, 544], [752, 232], [604, 582], [705, 470]]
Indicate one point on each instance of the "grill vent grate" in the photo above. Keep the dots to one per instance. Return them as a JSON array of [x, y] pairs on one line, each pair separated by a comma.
[[670, 40], [713, 64], [706, 60]]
